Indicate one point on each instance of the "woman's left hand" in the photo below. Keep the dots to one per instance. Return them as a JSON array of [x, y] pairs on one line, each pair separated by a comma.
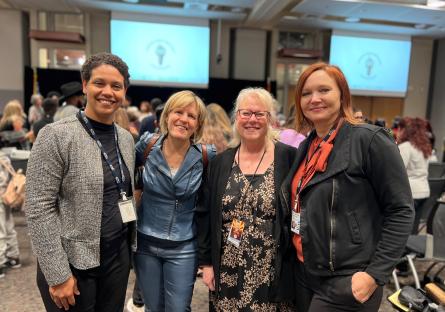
[[363, 286]]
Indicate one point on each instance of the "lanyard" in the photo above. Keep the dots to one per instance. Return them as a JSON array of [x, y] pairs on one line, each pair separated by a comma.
[[119, 180], [244, 195]]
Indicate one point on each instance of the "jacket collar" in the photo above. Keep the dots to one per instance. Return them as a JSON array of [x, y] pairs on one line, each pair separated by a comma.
[[338, 159], [192, 156]]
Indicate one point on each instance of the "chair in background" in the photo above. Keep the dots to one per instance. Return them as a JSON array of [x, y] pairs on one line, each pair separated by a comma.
[[428, 247], [437, 187], [436, 170]]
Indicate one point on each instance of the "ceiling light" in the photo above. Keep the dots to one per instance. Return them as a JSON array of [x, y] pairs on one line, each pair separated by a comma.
[[420, 26], [131, 1], [352, 19]]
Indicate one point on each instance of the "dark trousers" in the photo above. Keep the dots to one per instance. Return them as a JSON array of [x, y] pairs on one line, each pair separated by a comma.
[[102, 288], [417, 207], [317, 294]]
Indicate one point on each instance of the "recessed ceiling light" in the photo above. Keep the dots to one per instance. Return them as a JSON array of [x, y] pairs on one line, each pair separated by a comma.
[[420, 26], [435, 3], [351, 19], [131, 1]]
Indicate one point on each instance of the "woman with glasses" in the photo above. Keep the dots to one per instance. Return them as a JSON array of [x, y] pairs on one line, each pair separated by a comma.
[[244, 237]]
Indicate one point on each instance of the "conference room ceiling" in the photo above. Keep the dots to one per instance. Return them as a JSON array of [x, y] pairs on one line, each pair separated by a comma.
[[406, 17]]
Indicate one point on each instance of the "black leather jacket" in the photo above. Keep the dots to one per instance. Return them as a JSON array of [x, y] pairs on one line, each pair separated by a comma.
[[357, 215]]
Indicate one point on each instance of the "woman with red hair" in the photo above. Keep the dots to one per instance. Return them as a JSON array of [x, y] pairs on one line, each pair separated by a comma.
[[349, 199], [415, 148]]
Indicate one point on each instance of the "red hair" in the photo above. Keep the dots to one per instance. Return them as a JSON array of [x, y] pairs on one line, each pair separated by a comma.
[[345, 94], [415, 131]]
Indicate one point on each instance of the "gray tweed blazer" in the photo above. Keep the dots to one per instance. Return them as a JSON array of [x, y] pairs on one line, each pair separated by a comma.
[[64, 190]]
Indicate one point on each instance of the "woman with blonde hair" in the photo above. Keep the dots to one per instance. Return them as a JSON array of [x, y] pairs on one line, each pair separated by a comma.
[[12, 119], [166, 256], [244, 235], [217, 129]]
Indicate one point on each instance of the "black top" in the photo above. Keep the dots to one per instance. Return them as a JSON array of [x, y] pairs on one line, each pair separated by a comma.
[[111, 225], [38, 125]]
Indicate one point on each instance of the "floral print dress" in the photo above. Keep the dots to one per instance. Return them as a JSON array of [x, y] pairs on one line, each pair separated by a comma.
[[247, 271]]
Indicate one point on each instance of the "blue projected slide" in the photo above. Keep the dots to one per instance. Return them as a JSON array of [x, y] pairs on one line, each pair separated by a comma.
[[372, 66], [163, 54]]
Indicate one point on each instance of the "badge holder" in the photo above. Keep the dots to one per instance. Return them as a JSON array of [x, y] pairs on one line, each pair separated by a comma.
[[126, 208], [295, 223], [236, 232]]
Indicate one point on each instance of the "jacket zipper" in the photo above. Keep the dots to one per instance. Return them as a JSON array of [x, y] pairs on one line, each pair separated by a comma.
[[171, 220], [332, 223]]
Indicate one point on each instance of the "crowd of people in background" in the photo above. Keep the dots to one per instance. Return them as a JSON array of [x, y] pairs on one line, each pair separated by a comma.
[[210, 194]]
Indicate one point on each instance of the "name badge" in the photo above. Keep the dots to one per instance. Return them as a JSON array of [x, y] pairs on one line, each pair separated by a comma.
[[126, 208], [236, 232], [295, 224]]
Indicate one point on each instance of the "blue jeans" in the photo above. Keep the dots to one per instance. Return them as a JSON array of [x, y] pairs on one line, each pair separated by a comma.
[[166, 276]]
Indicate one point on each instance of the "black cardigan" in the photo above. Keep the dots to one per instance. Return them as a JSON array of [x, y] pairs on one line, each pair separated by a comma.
[[209, 219]]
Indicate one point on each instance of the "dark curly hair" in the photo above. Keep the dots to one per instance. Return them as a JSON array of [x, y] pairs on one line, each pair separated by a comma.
[[104, 58], [415, 131]]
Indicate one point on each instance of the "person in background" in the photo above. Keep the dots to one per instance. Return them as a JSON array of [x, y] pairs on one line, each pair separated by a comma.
[[35, 112], [9, 246], [166, 256], [78, 197], [432, 139], [133, 117], [288, 134], [13, 133], [148, 123], [55, 95], [121, 118], [358, 114], [49, 108], [415, 149], [352, 209], [145, 109], [244, 238], [216, 128], [72, 100]]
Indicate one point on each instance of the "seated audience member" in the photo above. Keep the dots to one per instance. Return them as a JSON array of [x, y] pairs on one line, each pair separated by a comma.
[[13, 134], [49, 108], [78, 198], [415, 149], [121, 118], [148, 123], [349, 197], [9, 246], [72, 100], [133, 118], [35, 112]]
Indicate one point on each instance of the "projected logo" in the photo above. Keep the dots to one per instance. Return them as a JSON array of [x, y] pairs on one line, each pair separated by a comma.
[[160, 54], [369, 64]]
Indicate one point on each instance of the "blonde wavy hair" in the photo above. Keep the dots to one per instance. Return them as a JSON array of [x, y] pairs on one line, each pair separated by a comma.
[[182, 99], [267, 100], [12, 111]]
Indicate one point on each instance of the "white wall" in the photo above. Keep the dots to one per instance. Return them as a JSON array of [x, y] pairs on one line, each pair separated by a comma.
[[416, 99], [11, 56], [437, 117]]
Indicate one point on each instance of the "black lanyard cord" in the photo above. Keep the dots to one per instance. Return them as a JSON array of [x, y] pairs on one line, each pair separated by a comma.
[[119, 180]]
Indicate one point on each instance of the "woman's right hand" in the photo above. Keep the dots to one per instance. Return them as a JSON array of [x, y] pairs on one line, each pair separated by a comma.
[[208, 277]]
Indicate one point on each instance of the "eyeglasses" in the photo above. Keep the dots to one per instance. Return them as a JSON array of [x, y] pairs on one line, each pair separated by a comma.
[[246, 114]]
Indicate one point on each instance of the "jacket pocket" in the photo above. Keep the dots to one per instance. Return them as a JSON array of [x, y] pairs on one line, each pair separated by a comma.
[[354, 228]]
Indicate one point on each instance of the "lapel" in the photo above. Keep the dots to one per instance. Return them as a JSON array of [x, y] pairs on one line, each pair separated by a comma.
[[192, 156], [339, 158], [157, 158], [223, 173], [127, 151]]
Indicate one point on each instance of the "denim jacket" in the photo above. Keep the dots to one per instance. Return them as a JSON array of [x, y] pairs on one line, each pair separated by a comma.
[[169, 203]]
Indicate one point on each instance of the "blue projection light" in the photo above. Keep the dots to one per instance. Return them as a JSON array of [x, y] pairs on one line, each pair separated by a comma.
[[163, 54], [373, 66]]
